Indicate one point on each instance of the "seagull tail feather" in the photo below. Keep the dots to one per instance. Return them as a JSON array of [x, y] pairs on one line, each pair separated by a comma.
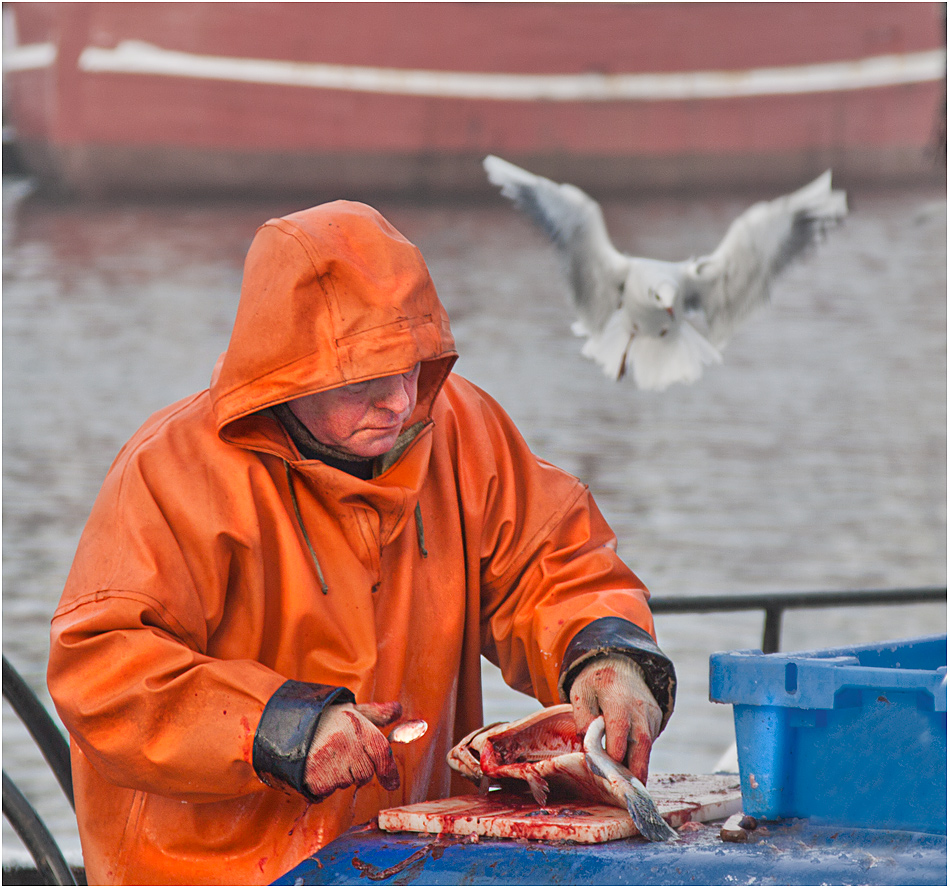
[[608, 347], [678, 357]]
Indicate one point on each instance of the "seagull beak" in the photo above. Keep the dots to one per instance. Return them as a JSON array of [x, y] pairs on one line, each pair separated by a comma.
[[669, 312]]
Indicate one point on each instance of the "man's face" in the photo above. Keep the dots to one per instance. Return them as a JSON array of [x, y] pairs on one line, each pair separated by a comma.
[[362, 419]]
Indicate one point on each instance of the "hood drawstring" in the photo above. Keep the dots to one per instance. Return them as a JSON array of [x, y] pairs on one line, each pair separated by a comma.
[[420, 533], [306, 536]]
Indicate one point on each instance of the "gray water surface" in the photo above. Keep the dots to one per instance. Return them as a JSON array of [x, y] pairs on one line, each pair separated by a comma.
[[813, 458]]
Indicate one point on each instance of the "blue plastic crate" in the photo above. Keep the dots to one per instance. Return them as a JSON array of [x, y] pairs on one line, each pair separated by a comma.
[[849, 736]]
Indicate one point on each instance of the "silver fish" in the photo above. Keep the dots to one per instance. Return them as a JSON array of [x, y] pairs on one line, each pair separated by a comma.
[[621, 784]]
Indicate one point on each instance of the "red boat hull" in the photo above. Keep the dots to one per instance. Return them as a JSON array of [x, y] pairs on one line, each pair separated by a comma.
[[367, 98]]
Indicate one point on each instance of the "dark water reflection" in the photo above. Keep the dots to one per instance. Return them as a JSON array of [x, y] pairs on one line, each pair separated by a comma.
[[813, 458]]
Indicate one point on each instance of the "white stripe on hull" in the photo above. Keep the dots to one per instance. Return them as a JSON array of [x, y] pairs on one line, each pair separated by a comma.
[[137, 57]]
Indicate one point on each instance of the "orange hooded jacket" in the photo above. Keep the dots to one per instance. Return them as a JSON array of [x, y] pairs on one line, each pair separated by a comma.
[[225, 588]]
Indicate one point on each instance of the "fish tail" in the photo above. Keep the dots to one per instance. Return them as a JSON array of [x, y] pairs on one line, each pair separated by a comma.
[[619, 783], [645, 815]]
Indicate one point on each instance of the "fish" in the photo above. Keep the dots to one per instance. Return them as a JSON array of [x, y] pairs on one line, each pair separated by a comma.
[[542, 749], [545, 751], [620, 783]]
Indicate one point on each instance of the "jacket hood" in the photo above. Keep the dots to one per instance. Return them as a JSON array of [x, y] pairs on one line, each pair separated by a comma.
[[330, 296]]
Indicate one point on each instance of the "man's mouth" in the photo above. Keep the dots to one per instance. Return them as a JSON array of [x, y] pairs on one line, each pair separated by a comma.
[[392, 427]]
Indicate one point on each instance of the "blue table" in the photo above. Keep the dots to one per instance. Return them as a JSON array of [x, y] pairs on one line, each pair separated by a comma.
[[792, 852]]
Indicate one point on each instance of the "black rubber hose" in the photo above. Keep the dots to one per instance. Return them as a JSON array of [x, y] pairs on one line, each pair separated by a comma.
[[29, 827], [40, 725]]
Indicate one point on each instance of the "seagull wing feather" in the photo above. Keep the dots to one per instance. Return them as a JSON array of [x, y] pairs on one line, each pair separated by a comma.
[[735, 279], [575, 224]]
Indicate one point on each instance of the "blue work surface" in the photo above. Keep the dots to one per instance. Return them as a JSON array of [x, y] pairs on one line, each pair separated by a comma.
[[777, 853]]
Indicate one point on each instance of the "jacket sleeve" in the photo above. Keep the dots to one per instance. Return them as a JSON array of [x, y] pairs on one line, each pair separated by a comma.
[[147, 708], [151, 713], [146, 693], [553, 589]]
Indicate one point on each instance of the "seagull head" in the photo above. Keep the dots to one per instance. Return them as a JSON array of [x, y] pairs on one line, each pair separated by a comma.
[[651, 295], [663, 296]]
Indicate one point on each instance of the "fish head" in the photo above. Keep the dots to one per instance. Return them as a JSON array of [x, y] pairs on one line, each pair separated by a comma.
[[465, 756]]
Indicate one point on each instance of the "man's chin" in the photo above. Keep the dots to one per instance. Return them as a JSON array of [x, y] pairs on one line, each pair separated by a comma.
[[375, 444]]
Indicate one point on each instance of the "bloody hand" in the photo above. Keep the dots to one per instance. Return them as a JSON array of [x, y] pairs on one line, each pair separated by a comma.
[[348, 749], [614, 686]]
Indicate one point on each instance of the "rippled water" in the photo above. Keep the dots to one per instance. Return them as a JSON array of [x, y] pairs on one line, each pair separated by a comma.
[[813, 458]]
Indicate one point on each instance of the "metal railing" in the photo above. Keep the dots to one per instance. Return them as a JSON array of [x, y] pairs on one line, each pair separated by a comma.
[[776, 604], [50, 863]]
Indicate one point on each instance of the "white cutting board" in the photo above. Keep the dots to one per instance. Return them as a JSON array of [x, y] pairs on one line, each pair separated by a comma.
[[679, 798]]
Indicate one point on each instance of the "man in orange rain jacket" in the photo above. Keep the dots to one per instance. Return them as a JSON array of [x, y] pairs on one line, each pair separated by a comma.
[[329, 536]]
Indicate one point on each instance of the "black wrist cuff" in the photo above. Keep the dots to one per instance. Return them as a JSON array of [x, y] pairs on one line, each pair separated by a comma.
[[614, 635], [287, 726]]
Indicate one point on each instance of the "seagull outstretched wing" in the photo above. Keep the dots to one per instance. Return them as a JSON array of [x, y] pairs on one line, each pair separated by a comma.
[[736, 278], [575, 224]]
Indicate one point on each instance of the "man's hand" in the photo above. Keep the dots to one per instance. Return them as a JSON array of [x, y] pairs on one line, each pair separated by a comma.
[[348, 749], [613, 685]]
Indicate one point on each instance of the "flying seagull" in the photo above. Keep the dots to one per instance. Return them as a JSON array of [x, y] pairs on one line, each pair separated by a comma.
[[667, 319]]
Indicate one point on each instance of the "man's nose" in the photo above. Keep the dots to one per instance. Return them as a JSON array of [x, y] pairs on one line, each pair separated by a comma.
[[394, 397]]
